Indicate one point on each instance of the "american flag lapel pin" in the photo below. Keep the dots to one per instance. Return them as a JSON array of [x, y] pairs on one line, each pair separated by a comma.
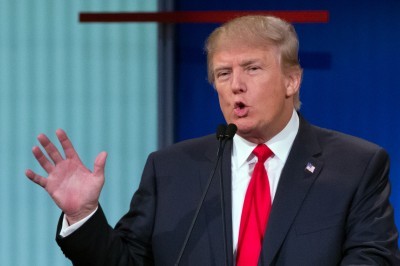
[[310, 168]]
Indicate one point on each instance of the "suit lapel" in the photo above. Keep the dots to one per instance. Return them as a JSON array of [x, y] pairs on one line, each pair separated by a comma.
[[299, 173]]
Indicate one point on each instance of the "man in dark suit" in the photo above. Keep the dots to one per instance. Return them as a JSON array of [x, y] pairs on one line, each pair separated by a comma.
[[329, 191]]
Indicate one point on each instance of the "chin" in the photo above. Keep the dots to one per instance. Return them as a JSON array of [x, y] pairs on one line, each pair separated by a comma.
[[243, 130]]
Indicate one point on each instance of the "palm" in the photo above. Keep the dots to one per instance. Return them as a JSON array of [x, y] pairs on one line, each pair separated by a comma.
[[73, 187]]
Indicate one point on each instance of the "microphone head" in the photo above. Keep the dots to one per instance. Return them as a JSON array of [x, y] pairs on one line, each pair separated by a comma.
[[230, 131], [221, 131]]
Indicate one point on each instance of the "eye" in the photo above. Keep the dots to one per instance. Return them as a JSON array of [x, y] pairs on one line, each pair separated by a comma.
[[253, 68], [222, 75]]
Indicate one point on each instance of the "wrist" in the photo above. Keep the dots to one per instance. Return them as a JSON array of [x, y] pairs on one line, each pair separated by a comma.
[[74, 218]]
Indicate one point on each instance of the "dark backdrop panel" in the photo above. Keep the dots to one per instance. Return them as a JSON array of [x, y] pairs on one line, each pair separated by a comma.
[[351, 71]]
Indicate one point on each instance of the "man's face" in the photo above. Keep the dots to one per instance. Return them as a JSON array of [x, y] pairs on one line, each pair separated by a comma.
[[253, 91]]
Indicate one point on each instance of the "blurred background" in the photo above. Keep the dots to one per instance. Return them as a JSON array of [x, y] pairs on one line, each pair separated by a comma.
[[131, 88], [98, 82]]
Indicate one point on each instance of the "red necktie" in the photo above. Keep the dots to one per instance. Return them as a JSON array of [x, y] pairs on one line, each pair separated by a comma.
[[255, 213]]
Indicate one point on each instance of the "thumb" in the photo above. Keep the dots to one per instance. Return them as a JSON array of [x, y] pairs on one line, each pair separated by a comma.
[[100, 163]]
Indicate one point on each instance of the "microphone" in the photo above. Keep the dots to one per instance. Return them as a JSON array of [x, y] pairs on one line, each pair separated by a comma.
[[230, 131], [223, 134], [221, 129]]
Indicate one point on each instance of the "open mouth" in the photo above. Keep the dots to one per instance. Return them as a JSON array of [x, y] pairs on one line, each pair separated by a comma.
[[239, 105], [240, 109]]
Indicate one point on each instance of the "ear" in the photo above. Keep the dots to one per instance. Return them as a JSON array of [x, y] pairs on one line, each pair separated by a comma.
[[293, 81]]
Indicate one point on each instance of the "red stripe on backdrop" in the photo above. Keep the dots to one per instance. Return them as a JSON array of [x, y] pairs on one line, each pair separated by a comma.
[[310, 16]]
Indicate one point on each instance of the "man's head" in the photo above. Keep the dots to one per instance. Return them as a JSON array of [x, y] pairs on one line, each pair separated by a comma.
[[257, 31], [253, 64]]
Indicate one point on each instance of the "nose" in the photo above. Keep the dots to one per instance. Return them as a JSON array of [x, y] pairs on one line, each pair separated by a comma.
[[237, 83]]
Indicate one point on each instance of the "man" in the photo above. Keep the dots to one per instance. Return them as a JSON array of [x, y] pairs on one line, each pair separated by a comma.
[[326, 193]]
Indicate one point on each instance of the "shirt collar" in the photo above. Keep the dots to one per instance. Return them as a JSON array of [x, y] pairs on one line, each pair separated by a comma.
[[280, 144]]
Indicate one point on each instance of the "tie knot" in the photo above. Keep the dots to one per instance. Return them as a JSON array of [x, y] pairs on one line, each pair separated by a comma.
[[262, 152]]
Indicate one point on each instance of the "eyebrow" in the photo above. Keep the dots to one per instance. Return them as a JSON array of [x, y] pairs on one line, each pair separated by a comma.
[[245, 63], [221, 68], [248, 62]]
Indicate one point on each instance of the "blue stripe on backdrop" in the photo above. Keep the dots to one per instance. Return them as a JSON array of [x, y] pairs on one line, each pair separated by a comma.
[[98, 82], [350, 79]]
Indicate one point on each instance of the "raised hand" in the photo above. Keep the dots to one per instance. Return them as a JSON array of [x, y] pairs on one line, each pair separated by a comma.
[[73, 187]]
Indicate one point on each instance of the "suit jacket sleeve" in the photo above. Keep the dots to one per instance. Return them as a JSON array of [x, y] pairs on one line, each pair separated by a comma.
[[96, 243], [371, 234]]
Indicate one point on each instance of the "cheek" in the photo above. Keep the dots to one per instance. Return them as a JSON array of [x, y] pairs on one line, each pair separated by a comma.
[[224, 104], [268, 100], [223, 97]]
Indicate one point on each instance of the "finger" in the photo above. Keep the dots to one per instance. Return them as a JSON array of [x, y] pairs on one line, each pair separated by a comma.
[[41, 181], [42, 159], [50, 148], [99, 164], [67, 145]]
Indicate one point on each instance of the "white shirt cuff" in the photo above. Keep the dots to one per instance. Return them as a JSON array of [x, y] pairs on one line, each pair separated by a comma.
[[67, 229]]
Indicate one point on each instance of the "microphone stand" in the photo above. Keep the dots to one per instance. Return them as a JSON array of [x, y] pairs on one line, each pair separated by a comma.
[[223, 209], [230, 132], [224, 133], [220, 136]]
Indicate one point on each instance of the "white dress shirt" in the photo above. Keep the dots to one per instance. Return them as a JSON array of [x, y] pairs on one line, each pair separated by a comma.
[[67, 229], [243, 162]]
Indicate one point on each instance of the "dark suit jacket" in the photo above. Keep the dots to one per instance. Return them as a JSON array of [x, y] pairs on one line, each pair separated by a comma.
[[337, 213]]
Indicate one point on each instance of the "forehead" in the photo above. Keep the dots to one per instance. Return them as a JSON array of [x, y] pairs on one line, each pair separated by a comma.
[[241, 52]]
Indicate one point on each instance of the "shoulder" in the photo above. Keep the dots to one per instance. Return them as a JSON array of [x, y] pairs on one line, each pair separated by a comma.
[[339, 139], [184, 156], [348, 147], [196, 147]]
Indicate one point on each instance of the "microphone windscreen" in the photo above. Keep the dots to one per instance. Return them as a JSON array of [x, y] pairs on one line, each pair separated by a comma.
[[230, 131], [221, 131]]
